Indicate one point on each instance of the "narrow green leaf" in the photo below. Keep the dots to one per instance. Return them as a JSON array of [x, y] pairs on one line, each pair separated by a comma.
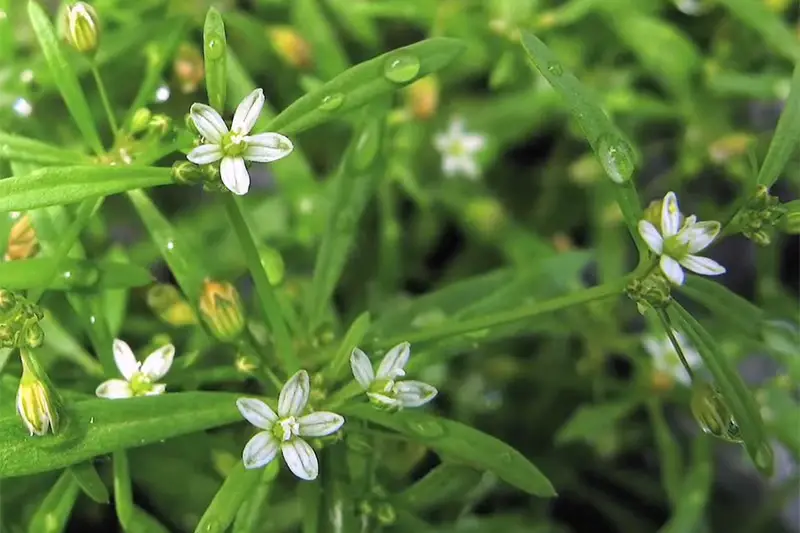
[[53, 513], [115, 302], [309, 495], [361, 26], [223, 508], [255, 507], [65, 185], [17, 148], [589, 421], [98, 426], [362, 83], [447, 482], [353, 187], [64, 76], [89, 481], [330, 58], [72, 274], [142, 522], [668, 451], [746, 317], [767, 24], [695, 492], [786, 138], [215, 53], [461, 443], [123, 491], [58, 339], [351, 339]]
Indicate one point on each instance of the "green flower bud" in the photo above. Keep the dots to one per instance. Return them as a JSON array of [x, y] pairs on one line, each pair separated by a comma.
[[712, 414], [273, 264], [159, 124], [140, 120], [790, 223], [653, 291], [189, 123], [6, 336], [81, 27], [168, 304], [38, 403], [385, 513], [8, 302], [187, 173], [222, 310], [34, 336]]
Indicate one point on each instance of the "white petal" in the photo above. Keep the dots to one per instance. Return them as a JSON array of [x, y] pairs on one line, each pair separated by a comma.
[[114, 389], [267, 147], [414, 393], [651, 236], [451, 165], [469, 167], [670, 215], [257, 412], [699, 236], [702, 265], [208, 122], [234, 175], [260, 450], [672, 269], [205, 154], [473, 142], [442, 142], [456, 129], [156, 389], [362, 368], [383, 399], [652, 346], [158, 363], [319, 424], [300, 458], [125, 360], [247, 112], [294, 395], [394, 362]]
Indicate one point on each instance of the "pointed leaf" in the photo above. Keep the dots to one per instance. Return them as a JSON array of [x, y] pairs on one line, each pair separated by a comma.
[[223, 508], [123, 490], [17, 148], [445, 483], [738, 312], [786, 138], [215, 53], [72, 274], [89, 481], [53, 513]]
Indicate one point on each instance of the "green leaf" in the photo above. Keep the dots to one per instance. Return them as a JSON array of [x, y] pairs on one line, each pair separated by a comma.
[[99, 426], [461, 443], [53, 513], [65, 185], [250, 517], [668, 451], [767, 24], [215, 53], [223, 508], [123, 491], [695, 492], [351, 339], [589, 421], [738, 312], [362, 83], [72, 274], [89, 481], [447, 482], [786, 138], [64, 76], [142, 522], [17, 148], [353, 187], [309, 495], [329, 57]]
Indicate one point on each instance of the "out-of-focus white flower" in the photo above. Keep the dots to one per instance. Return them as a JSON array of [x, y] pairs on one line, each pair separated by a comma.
[[140, 378], [458, 149], [382, 387], [666, 359]]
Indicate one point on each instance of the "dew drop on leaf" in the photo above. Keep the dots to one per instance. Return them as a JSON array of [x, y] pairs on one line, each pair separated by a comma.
[[555, 68], [332, 102], [427, 428], [162, 94], [22, 107], [214, 46], [367, 145], [616, 157], [401, 68]]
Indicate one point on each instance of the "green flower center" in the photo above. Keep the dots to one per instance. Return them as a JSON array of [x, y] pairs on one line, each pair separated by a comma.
[[233, 144], [286, 428], [140, 384], [675, 247], [456, 149]]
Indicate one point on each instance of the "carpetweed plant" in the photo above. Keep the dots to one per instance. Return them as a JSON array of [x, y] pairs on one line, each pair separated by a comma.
[[397, 265]]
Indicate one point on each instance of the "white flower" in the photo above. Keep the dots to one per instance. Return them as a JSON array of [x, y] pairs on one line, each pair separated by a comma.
[[234, 147], [677, 244], [284, 429], [383, 387], [140, 378], [458, 150], [666, 359]]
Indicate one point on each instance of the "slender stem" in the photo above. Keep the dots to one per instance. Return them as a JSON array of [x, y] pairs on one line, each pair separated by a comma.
[[264, 373], [665, 321], [104, 98], [267, 299]]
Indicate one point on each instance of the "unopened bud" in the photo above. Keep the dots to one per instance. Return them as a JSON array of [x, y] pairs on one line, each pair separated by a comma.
[[187, 173], [486, 215], [791, 219], [222, 310], [730, 146], [8, 302], [188, 68], [81, 28], [140, 120], [423, 97], [712, 414], [37, 401], [653, 291], [159, 124], [291, 46], [34, 336], [385, 513], [169, 305], [22, 241]]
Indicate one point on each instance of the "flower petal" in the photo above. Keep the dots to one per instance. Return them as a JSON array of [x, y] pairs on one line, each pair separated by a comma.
[[702, 265], [125, 360], [247, 112], [383, 399], [300, 458], [442, 142], [651, 236], [394, 362], [257, 412], [208, 122], [260, 450], [157, 364], [319, 424], [114, 389], [653, 346], [472, 142], [672, 269], [670, 215], [699, 236], [294, 395], [156, 389], [205, 154], [267, 147], [414, 393], [234, 175], [362, 368]]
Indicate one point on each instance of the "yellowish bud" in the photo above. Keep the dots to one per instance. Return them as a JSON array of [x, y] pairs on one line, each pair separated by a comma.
[[222, 310], [730, 146], [422, 97], [188, 68], [291, 47], [81, 27], [141, 119], [22, 241], [37, 403], [170, 306]]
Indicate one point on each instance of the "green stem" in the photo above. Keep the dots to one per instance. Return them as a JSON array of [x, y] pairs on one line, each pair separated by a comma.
[[264, 373], [104, 98], [267, 299], [665, 321]]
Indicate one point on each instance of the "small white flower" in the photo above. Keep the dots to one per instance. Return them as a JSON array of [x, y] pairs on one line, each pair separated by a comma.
[[666, 359], [383, 388], [140, 378], [458, 150], [284, 429], [677, 243], [234, 147]]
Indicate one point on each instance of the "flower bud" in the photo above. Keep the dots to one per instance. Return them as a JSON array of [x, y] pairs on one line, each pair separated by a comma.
[[159, 124], [712, 414], [168, 304], [22, 241], [8, 302], [37, 401], [653, 291], [141, 119], [187, 173], [34, 335], [222, 310], [81, 27], [290, 46], [385, 513], [188, 68], [422, 97]]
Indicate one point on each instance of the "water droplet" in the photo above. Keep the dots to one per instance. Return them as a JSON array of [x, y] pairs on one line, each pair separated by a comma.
[[692, 7], [332, 102], [431, 317], [555, 68], [401, 68], [367, 145], [305, 205], [214, 46], [616, 157], [427, 428], [92, 319], [22, 107], [162, 94], [170, 245], [272, 262], [506, 457], [26, 76], [765, 459]]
